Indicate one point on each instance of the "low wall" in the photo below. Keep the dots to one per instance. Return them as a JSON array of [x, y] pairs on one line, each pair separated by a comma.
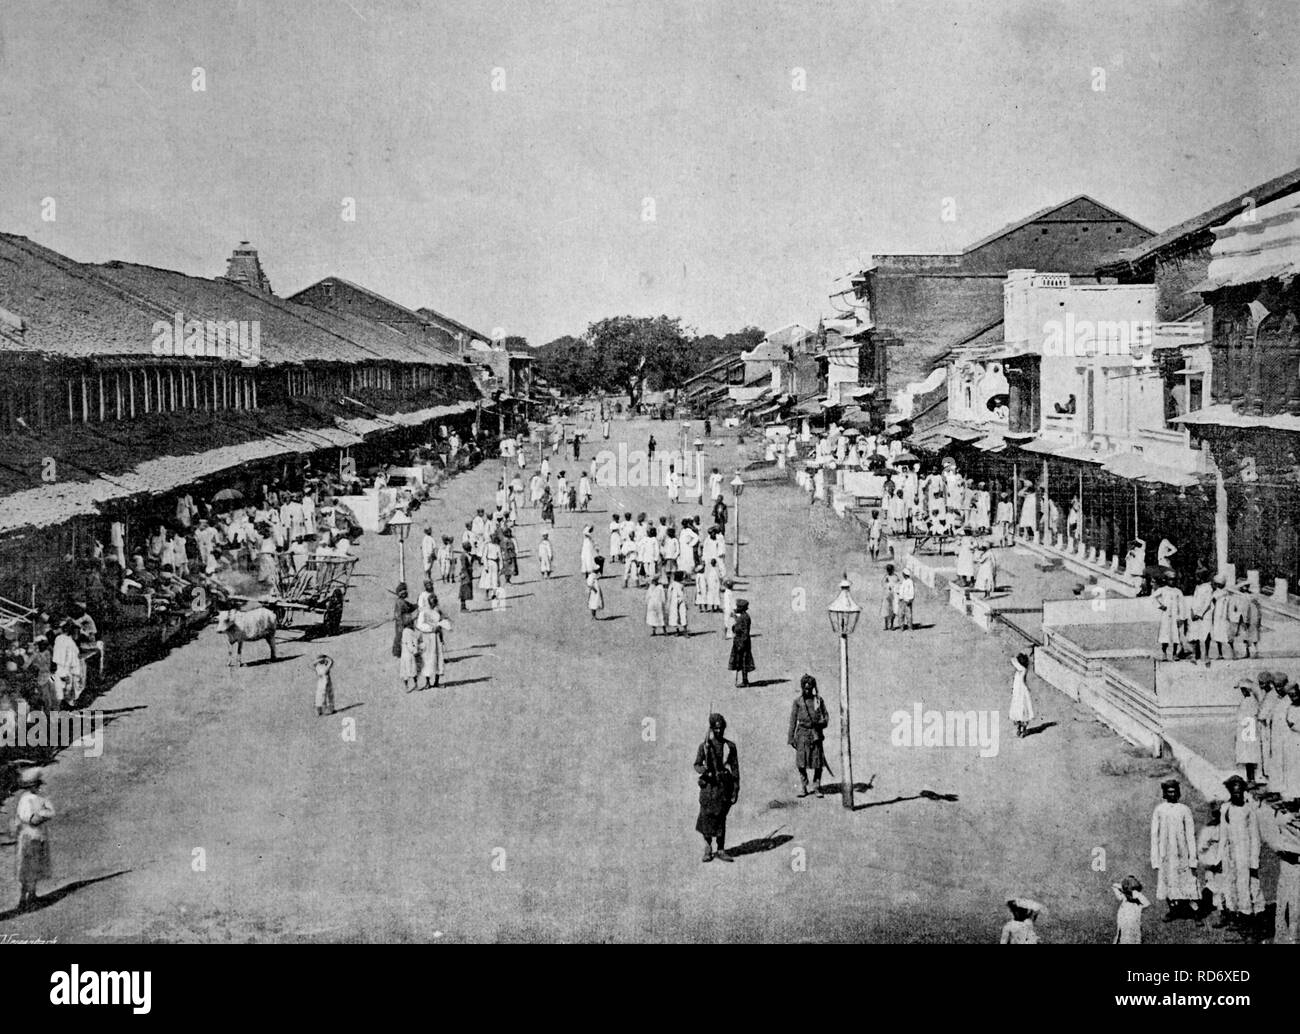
[[1188, 690], [1100, 610]]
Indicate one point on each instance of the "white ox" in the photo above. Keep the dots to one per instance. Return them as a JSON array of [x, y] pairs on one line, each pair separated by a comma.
[[246, 626]]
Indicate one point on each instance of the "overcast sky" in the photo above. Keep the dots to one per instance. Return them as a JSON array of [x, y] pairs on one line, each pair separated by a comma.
[[523, 208]]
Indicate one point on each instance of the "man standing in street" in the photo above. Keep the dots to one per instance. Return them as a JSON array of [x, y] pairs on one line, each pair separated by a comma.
[[808, 720], [428, 552], [31, 815], [718, 766], [905, 593], [1173, 852]]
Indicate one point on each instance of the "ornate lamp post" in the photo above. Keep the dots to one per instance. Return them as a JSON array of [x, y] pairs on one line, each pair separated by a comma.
[[400, 522], [737, 487], [844, 614], [699, 458]]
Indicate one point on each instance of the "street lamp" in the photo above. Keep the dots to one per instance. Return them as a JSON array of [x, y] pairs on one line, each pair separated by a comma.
[[844, 614], [699, 458], [400, 522], [737, 486]]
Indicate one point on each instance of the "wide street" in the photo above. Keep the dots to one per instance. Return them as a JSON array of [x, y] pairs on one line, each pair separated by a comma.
[[546, 792]]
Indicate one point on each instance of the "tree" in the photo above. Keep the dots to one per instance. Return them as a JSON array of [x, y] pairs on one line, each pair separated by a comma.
[[566, 363], [629, 349], [515, 343], [624, 354]]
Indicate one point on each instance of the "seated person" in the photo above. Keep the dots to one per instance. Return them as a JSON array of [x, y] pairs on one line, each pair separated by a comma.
[[134, 582], [87, 631]]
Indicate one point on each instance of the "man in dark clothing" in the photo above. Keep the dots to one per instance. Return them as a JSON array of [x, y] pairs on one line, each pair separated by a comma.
[[808, 721], [650, 447], [742, 650], [720, 513], [718, 766]]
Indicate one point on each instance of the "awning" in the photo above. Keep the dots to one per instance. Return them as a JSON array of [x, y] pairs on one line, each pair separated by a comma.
[[991, 443], [856, 415], [810, 407], [1223, 415], [1061, 451], [961, 434], [1134, 468]]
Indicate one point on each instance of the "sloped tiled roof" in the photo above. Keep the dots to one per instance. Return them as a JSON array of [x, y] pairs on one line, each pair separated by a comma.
[[290, 332], [67, 312], [82, 310], [1130, 258]]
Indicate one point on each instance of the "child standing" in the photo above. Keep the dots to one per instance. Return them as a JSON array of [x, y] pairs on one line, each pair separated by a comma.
[[1209, 855], [1019, 929], [545, 555], [595, 598], [1128, 921], [408, 667], [324, 685], [728, 607], [873, 535], [444, 558], [1021, 711]]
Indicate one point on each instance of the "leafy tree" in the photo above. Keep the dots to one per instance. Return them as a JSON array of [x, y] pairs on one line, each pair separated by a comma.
[[625, 354]]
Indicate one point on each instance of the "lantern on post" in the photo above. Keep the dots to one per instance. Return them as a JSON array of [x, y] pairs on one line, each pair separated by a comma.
[[737, 487], [400, 523], [844, 614]]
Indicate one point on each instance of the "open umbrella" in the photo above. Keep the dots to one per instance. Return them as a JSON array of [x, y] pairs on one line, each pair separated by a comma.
[[228, 495], [905, 457]]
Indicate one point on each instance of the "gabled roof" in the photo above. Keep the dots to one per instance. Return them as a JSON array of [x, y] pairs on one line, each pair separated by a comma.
[[402, 315], [83, 310], [718, 366], [66, 310], [434, 314], [290, 332], [1044, 212], [1201, 225]]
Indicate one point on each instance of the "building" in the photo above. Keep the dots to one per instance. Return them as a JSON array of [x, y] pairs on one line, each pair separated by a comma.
[[918, 305], [504, 377], [1251, 423], [707, 391], [126, 384]]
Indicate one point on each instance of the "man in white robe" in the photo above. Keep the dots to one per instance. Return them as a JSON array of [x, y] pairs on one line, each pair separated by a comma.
[[1239, 846], [1173, 852]]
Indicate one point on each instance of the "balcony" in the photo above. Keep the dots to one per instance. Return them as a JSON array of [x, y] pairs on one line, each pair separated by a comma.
[[1065, 424]]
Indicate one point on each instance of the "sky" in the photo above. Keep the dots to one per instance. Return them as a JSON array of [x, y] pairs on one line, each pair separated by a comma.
[[533, 166]]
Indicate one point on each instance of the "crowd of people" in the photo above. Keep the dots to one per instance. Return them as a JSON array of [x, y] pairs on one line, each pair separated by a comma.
[[678, 563]]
